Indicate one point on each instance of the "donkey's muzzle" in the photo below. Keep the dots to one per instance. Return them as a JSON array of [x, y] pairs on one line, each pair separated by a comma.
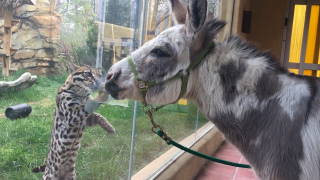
[[111, 84]]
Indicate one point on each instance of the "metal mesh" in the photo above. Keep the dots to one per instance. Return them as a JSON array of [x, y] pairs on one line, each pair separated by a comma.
[[214, 8], [163, 15]]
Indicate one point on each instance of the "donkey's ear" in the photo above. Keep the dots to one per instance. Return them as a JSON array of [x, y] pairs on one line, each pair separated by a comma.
[[179, 11], [197, 12], [213, 27]]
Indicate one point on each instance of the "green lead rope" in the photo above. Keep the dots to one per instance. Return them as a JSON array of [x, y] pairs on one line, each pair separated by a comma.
[[172, 142]]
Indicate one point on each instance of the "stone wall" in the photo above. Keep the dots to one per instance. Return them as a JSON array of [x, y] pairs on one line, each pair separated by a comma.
[[37, 37]]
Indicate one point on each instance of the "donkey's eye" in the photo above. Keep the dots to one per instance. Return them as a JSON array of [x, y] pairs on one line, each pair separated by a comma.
[[159, 53]]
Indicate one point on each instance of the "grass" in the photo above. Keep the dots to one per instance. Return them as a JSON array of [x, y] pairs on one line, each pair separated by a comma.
[[24, 142]]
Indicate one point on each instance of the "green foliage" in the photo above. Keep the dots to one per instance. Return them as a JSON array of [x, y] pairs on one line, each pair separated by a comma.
[[79, 33], [92, 37], [77, 16], [118, 12]]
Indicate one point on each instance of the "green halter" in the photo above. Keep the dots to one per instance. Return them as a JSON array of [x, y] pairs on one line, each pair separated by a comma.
[[144, 85]]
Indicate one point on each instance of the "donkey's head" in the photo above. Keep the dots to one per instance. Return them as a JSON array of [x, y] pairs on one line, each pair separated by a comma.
[[164, 56]]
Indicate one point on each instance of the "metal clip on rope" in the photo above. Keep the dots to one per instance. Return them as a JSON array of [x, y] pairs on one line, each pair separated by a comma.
[[154, 124]]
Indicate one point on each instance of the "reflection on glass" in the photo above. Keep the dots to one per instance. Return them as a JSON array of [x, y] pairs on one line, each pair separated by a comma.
[[297, 34], [296, 71], [312, 51]]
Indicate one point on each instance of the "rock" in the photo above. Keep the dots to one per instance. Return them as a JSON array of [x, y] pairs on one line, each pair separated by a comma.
[[38, 34], [22, 83], [34, 43], [25, 11], [24, 54], [44, 71], [51, 32], [14, 29], [41, 53], [29, 63], [49, 21]]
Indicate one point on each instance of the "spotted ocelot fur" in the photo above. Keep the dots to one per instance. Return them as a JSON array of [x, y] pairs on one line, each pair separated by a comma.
[[70, 119]]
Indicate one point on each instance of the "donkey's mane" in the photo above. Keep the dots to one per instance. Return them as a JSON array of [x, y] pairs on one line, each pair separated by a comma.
[[251, 50]]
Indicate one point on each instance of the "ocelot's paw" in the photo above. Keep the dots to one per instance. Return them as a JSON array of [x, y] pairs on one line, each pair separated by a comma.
[[108, 127], [103, 96]]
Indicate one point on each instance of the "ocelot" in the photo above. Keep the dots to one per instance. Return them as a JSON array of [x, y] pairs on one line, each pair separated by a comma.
[[73, 113]]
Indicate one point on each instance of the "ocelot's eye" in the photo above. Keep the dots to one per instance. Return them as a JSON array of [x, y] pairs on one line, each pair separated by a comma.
[[159, 53], [88, 74]]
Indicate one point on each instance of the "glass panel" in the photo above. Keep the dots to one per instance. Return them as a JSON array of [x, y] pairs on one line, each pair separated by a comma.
[[297, 33], [98, 33], [179, 120], [52, 36]]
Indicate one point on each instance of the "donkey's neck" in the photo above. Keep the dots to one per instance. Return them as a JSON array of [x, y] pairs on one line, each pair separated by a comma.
[[233, 88], [225, 81], [253, 102]]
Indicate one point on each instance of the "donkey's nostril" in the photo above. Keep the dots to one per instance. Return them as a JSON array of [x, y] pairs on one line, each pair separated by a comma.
[[109, 76]]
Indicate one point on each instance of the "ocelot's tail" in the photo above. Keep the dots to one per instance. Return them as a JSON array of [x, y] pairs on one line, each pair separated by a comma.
[[39, 169]]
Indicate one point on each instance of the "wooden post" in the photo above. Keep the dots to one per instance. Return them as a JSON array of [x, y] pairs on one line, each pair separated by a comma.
[[7, 40]]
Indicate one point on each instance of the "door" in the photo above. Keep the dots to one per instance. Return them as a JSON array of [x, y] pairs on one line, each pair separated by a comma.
[[302, 41]]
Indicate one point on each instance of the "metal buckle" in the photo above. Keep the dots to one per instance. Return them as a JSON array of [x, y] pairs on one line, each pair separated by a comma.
[[142, 85]]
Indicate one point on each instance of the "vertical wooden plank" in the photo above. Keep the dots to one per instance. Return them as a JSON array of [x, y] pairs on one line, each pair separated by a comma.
[[2, 62], [6, 65], [7, 40], [8, 16]]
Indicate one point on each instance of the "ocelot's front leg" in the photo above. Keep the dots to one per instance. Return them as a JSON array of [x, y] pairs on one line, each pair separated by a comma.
[[97, 119], [93, 104]]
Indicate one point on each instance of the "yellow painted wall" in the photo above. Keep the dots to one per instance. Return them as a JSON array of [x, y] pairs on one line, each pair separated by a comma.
[[267, 24], [226, 7], [240, 6]]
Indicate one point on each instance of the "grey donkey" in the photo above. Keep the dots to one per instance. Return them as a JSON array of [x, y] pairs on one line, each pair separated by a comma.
[[272, 116]]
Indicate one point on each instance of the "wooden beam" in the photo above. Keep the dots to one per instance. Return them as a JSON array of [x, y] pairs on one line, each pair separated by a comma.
[[1, 12], [14, 21], [6, 65], [8, 16], [7, 40], [12, 51]]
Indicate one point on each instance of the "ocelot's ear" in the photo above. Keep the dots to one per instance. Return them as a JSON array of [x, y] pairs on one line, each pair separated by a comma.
[[196, 16], [76, 66], [179, 11], [72, 67]]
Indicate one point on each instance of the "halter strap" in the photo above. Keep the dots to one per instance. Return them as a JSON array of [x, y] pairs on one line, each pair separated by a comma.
[[144, 85]]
